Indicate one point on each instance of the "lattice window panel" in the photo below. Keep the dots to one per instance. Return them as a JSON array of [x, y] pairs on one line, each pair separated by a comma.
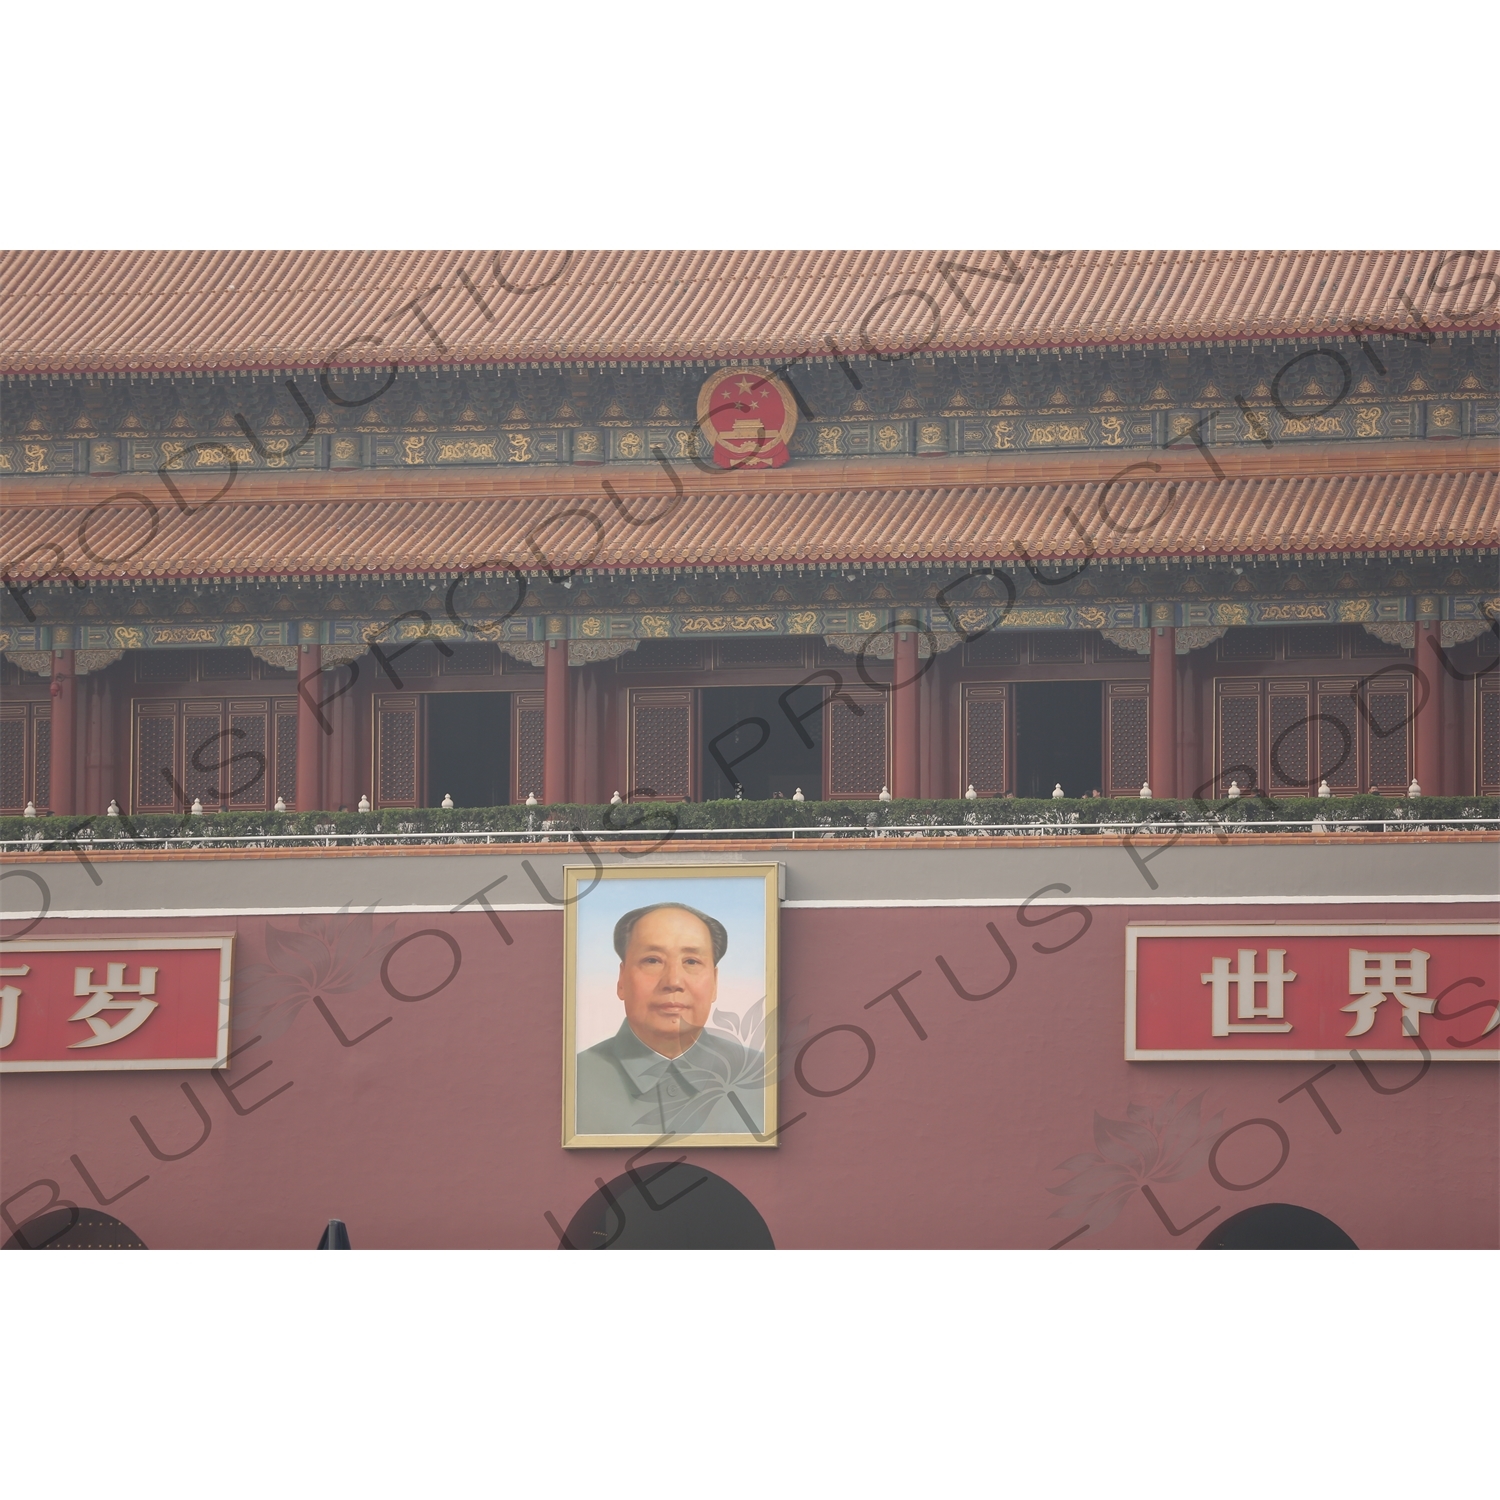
[[528, 748], [857, 746], [986, 726], [1338, 753], [164, 666], [396, 770], [997, 649], [41, 759], [513, 668], [662, 745], [1248, 643], [421, 661], [13, 778], [470, 659], [663, 656], [1362, 643], [156, 763], [1306, 642], [286, 756], [202, 754], [1127, 747], [1489, 737], [1049, 647], [226, 664], [25, 755], [1289, 725], [1239, 737], [247, 779], [1388, 731], [731, 654]]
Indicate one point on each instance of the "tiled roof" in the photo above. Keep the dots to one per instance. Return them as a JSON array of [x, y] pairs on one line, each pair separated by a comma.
[[450, 522], [151, 312]]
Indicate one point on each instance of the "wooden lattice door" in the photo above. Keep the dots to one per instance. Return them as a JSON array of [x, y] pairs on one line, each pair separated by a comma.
[[1337, 727], [398, 780], [234, 753], [156, 778], [1487, 725], [528, 746], [1387, 731], [25, 755], [1126, 746], [1285, 736], [1237, 735], [986, 737], [1289, 738], [858, 753], [663, 744]]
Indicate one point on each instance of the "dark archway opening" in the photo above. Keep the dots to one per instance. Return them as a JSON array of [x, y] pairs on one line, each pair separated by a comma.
[[676, 1206], [468, 749], [1059, 738], [765, 755], [1278, 1226], [74, 1229]]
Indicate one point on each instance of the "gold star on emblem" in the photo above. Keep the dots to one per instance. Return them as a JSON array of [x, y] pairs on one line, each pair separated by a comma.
[[745, 384]]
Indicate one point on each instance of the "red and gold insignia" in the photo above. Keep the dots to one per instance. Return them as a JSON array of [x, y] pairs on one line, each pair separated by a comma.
[[748, 417]]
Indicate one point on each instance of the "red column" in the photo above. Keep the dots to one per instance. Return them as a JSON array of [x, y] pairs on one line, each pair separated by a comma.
[[934, 779], [904, 716], [558, 714], [309, 731], [1162, 760], [1428, 688], [612, 735], [586, 739], [1190, 730], [64, 732], [349, 787]]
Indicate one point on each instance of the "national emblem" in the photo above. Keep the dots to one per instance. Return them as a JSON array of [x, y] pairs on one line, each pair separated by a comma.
[[747, 416]]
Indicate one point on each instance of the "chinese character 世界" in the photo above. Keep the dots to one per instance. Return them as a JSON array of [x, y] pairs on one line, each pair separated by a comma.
[[1375, 977], [102, 998], [1267, 1017], [10, 1003]]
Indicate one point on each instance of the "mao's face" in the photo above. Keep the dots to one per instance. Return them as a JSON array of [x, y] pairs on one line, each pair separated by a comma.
[[668, 981]]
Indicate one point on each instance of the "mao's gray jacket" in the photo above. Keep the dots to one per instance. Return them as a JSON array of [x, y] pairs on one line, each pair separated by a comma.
[[624, 1088]]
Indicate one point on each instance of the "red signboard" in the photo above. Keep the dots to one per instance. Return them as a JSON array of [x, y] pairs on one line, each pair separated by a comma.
[[100, 1004], [1309, 991]]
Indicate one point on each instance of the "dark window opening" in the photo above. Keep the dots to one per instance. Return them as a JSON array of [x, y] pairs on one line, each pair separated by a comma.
[[764, 754], [675, 1206], [468, 749], [1059, 738]]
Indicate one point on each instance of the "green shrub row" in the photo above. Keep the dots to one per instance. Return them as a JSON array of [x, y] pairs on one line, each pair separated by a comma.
[[662, 817]]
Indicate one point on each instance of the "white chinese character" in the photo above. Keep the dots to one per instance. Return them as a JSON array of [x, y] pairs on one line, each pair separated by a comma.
[[10, 998], [1267, 1017], [1374, 976], [103, 998]]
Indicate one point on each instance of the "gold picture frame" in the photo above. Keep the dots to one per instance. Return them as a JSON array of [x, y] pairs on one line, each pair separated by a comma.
[[623, 977]]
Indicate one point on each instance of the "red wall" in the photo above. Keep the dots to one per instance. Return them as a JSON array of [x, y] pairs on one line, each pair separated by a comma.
[[439, 1125]]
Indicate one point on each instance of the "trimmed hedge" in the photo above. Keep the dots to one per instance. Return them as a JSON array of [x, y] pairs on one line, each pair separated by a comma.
[[659, 818]]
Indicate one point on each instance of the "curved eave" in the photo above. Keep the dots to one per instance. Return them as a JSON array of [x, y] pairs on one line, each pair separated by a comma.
[[905, 516]]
